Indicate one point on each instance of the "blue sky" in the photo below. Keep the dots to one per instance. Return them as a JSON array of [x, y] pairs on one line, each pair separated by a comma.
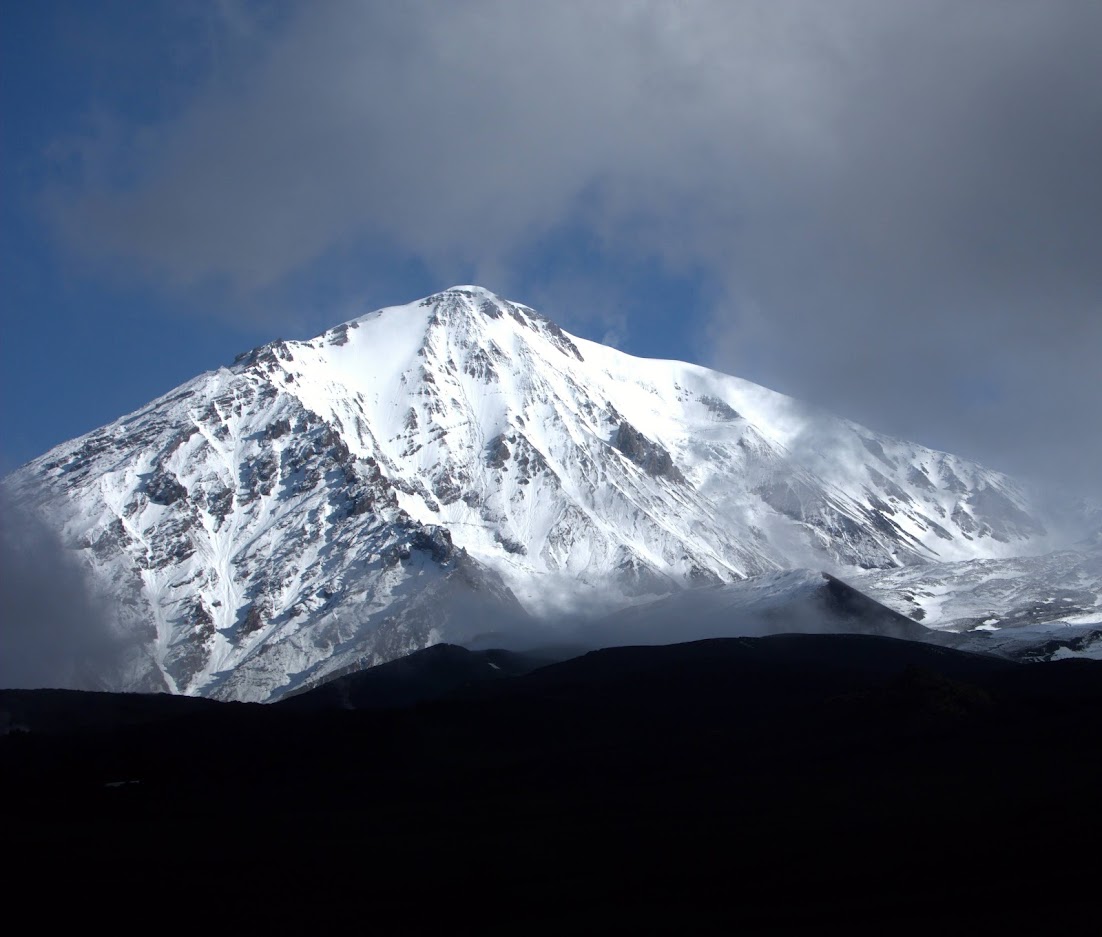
[[892, 210], [80, 347], [84, 342]]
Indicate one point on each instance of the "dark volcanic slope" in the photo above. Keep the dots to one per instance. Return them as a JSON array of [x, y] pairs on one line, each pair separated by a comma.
[[419, 677], [784, 784], [840, 601], [76, 710], [778, 672]]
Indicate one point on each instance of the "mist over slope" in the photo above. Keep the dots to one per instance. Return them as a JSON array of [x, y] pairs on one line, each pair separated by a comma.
[[54, 630]]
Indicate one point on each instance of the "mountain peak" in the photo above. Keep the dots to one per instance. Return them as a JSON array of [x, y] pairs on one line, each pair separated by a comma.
[[468, 289], [470, 297], [468, 307], [452, 307]]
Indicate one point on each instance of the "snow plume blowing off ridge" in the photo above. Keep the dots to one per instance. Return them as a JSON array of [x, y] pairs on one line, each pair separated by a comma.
[[53, 631]]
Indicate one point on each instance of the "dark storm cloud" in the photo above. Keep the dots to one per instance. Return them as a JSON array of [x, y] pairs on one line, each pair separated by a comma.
[[901, 200], [53, 632]]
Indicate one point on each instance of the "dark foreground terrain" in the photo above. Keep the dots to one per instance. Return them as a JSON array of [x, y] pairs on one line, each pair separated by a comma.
[[784, 784]]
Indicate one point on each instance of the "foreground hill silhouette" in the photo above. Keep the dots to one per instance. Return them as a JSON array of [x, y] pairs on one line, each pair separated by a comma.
[[765, 784]]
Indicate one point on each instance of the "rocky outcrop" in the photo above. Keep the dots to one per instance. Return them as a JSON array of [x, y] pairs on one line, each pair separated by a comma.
[[164, 489], [648, 455]]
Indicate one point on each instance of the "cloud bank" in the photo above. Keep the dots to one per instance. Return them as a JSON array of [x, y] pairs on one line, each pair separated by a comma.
[[53, 631], [899, 203]]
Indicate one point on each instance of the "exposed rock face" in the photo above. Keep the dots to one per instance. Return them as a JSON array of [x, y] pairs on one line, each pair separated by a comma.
[[164, 489], [497, 452], [649, 456], [720, 408], [436, 541]]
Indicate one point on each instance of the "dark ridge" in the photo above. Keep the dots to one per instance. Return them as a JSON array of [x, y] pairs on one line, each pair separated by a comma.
[[775, 671], [423, 676], [49, 710]]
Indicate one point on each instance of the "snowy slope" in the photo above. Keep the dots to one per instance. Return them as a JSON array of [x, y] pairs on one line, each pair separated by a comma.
[[1031, 607], [1004, 593], [460, 463]]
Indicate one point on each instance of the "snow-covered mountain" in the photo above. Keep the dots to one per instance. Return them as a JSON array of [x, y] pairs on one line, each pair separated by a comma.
[[461, 464]]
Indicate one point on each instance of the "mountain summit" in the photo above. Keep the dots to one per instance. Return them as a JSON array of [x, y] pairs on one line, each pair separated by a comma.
[[324, 504]]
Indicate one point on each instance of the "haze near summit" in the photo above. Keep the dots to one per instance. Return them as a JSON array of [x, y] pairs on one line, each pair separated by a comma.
[[891, 210]]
